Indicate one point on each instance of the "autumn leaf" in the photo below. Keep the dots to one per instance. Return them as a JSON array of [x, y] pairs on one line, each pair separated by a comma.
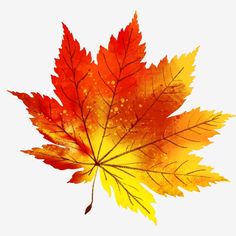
[[114, 118]]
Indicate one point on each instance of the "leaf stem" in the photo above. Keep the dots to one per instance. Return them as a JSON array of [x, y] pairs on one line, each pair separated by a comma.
[[89, 207]]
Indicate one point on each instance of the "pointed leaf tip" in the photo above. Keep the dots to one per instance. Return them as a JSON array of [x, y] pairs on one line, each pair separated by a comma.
[[195, 51], [12, 92], [135, 18], [63, 25], [65, 28]]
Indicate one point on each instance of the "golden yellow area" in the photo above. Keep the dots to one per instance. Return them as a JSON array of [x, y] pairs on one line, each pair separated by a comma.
[[128, 191], [123, 175]]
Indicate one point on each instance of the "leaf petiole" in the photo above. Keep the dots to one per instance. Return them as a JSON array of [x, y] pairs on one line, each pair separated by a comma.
[[89, 207]]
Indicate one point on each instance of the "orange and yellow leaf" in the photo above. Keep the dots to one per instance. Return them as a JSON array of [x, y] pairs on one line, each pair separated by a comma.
[[114, 117]]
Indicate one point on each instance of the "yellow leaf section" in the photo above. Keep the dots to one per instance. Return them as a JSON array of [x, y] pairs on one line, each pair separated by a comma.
[[174, 168], [192, 130], [128, 191], [179, 171], [181, 69]]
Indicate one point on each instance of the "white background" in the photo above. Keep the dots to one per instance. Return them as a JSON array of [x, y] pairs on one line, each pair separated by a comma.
[[35, 199]]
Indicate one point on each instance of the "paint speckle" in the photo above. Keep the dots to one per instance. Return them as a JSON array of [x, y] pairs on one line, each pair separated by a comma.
[[90, 74]]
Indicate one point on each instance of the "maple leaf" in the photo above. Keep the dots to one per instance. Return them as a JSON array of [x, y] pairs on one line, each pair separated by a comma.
[[114, 116]]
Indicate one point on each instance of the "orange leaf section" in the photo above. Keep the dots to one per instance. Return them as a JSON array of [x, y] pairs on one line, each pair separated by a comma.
[[57, 124], [73, 69], [115, 116], [120, 65], [55, 156]]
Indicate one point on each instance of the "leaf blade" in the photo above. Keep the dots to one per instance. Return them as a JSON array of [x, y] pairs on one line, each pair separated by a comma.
[[128, 191]]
